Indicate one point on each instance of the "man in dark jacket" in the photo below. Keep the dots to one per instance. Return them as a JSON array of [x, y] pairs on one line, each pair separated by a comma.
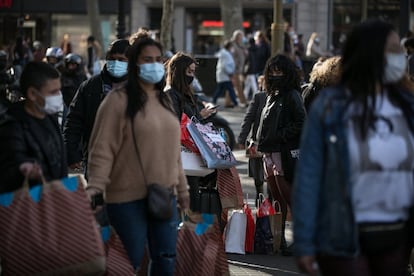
[[82, 110], [31, 144]]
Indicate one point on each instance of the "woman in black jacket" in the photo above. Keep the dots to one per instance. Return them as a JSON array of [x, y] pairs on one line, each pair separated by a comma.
[[279, 130], [180, 74]]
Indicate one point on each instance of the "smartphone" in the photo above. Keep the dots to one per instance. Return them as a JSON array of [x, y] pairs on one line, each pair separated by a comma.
[[214, 107]]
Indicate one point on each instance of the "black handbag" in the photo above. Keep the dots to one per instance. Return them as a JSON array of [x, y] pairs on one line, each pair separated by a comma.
[[159, 198], [209, 200]]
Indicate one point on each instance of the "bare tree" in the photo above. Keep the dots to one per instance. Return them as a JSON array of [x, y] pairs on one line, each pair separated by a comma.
[[232, 16], [166, 23]]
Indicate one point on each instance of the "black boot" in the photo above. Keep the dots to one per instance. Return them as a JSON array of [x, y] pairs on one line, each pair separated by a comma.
[[259, 189], [284, 248]]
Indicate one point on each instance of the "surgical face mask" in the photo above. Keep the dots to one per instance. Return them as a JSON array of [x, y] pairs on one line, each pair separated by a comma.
[[395, 67], [117, 68], [53, 104], [189, 79], [276, 82], [151, 72]]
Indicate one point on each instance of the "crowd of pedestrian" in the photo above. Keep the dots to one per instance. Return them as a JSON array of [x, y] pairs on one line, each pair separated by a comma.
[[336, 152]]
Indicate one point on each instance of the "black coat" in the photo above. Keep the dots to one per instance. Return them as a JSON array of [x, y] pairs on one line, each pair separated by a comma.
[[185, 104], [251, 120], [281, 122], [27, 139], [82, 112]]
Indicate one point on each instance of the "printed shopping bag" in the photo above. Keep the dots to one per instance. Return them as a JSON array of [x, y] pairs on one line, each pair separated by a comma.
[[50, 229], [250, 226], [263, 236], [200, 248], [193, 164], [186, 139], [229, 188], [212, 146], [235, 233]]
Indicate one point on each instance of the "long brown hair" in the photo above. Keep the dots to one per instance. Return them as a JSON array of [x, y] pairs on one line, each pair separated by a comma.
[[176, 72]]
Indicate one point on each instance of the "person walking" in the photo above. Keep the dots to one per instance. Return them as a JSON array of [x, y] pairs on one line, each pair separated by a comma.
[[72, 77], [180, 75], [354, 185], [82, 110], [247, 137], [239, 53], [139, 115], [224, 72], [31, 141], [279, 131], [250, 71]]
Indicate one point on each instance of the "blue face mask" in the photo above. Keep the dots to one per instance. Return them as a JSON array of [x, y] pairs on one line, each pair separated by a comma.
[[151, 72], [117, 68]]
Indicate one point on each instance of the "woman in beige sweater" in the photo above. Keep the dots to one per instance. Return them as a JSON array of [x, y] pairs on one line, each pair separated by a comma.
[[114, 167]]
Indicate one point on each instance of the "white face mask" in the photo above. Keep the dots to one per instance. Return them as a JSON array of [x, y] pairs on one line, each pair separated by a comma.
[[395, 67], [53, 104]]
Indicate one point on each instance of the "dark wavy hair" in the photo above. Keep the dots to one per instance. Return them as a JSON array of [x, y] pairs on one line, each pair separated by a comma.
[[136, 94], [176, 72], [363, 65], [290, 71]]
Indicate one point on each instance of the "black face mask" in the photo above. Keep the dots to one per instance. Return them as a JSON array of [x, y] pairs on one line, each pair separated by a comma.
[[276, 82], [189, 79]]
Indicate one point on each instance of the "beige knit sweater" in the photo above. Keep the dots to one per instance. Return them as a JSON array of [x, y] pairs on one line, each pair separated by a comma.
[[113, 164]]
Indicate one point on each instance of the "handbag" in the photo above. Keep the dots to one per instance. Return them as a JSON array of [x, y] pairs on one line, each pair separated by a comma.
[[212, 146], [159, 198], [263, 235], [193, 164], [50, 229], [209, 200], [251, 150], [289, 157]]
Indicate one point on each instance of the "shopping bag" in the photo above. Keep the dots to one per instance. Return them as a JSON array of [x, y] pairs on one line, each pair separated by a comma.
[[50, 229], [235, 233], [276, 226], [200, 248], [117, 260], [209, 200], [186, 139], [250, 226], [193, 164], [263, 236], [212, 146], [229, 188]]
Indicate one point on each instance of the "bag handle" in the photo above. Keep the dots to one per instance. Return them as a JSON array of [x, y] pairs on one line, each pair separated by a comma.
[[137, 151], [260, 199], [275, 202]]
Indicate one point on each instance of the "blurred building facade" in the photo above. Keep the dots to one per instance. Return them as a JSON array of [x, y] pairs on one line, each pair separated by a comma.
[[197, 24]]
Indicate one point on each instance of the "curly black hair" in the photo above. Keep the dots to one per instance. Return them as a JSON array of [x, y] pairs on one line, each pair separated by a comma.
[[290, 71]]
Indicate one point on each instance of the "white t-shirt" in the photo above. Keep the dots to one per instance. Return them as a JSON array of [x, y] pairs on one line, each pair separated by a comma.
[[382, 165]]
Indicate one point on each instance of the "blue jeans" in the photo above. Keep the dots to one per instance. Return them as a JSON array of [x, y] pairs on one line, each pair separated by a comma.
[[222, 87], [135, 229]]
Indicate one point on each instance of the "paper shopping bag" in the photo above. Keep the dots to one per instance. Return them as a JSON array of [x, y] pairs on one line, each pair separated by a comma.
[[212, 146], [193, 164], [275, 221], [50, 229], [235, 233], [200, 248]]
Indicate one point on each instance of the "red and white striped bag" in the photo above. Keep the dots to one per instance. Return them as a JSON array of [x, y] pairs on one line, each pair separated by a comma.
[[49, 229], [201, 253]]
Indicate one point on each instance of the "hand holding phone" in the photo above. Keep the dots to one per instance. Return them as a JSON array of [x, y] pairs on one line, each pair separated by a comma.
[[213, 107]]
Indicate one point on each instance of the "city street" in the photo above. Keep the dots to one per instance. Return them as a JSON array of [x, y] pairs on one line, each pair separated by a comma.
[[252, 264]]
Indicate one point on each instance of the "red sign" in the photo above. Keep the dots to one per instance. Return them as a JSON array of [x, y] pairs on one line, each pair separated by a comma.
[[219, 24], [6, 3]]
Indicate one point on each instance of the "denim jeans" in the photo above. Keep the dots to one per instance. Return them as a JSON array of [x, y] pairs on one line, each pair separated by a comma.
[[222, 87], [136, 230]]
